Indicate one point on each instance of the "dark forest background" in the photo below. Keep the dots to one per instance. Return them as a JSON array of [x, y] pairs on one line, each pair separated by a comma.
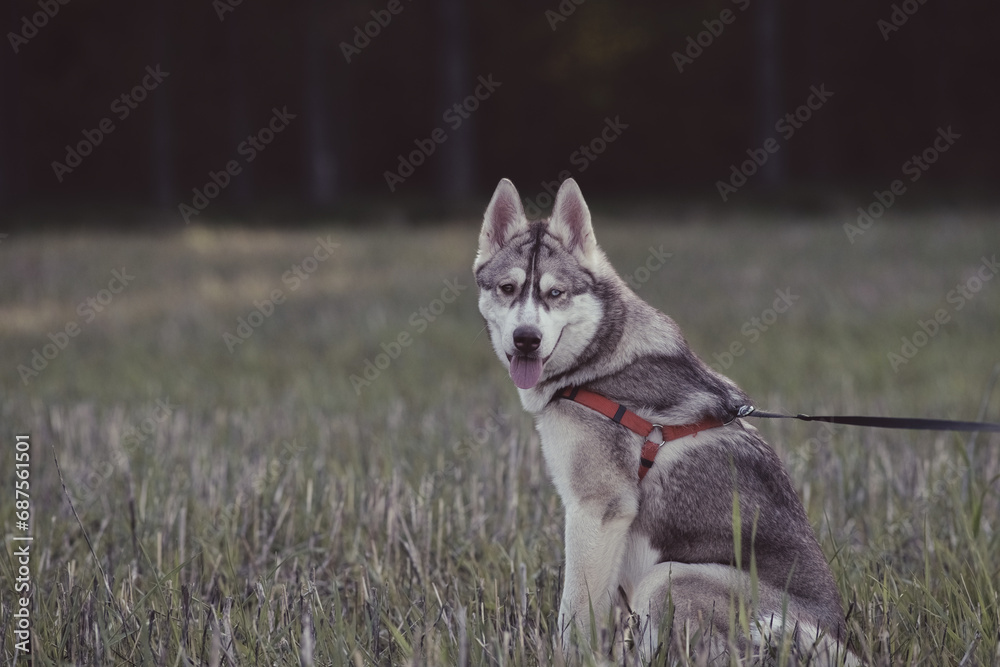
[[564, 70]]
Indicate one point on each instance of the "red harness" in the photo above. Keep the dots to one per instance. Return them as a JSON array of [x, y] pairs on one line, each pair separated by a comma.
[[633, 422]]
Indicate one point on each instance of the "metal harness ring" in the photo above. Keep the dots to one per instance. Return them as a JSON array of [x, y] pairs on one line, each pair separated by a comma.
[[742, 411]]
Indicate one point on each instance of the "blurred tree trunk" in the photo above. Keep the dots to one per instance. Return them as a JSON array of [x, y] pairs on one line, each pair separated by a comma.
[[320, 159], [162, 169], [767, 77], [457, 175]]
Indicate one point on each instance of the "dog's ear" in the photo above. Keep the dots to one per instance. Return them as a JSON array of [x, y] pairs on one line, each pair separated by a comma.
[[504, 218], [571, 220]]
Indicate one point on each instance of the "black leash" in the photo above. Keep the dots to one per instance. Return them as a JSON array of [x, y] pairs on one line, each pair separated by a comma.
[[878, 422]]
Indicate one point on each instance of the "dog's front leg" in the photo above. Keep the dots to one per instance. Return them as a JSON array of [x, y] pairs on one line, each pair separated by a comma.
[[595, 548]]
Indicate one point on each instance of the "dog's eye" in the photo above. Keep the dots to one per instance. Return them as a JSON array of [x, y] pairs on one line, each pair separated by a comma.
[[507, 288], [555, 293]]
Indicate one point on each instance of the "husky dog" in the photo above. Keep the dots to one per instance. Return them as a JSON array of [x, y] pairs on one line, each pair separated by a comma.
[[559, 317]]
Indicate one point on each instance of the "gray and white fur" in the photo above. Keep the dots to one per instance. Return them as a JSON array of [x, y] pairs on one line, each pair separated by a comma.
[[559, 315]]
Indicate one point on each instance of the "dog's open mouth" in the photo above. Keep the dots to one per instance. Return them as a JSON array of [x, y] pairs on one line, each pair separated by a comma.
[[525, 371]]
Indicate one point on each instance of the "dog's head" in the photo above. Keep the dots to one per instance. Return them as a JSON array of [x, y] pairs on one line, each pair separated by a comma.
[[537, 283]]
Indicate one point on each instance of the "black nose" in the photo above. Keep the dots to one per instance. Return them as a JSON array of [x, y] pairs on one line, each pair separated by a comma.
[[527, 339]]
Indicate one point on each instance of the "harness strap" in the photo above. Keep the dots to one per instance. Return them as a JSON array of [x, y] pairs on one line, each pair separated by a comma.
[[621, 415], [608, 408]]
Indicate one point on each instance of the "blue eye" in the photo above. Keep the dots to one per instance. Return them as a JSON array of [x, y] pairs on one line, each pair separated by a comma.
[[554, 293]]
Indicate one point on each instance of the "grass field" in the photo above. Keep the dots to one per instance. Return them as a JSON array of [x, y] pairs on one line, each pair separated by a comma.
[[249, 503]]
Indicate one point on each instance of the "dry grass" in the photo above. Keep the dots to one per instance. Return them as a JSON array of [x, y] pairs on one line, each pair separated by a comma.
[[271, 514]]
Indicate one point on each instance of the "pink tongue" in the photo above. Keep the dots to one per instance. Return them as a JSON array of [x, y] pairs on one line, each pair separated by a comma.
[[525, 371]]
